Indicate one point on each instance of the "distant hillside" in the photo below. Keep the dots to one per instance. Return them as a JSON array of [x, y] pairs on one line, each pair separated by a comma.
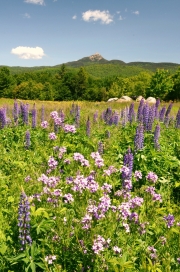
[[97, 66]]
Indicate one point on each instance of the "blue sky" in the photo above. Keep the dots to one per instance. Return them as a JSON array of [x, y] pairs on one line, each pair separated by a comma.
[[51, 32]]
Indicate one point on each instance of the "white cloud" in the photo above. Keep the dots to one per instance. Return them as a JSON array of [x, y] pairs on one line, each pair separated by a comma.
[[36, 2], [24, 52], [118, 12], [121, 18], [136, 12], [74, 17], [26, 15], [93, 15]]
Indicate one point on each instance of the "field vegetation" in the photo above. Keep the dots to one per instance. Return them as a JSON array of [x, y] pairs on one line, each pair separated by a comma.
[[89, 186]]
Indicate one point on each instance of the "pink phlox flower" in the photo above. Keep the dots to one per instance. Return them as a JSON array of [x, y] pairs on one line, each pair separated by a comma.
[[106, 188], [124, 210], [69, 128], [138, 175], [80, 183], [136, 202], [54, 114], [110, 171], [117, 250], [52, 136], [52, 163], [126, 226], [50, 258], [68, 198], [152, 177], [44, 124]]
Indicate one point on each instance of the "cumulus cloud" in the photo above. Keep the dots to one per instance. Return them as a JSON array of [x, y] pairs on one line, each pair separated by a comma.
[[24, 52], [136, 12], [121, 18], [74, 17], [36, 2], [94, 15], [26, 15]]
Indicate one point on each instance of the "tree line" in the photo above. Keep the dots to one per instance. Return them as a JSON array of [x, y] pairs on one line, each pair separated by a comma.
[[68, 84]]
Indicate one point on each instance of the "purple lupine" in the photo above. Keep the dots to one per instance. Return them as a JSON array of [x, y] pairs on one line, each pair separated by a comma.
[[115, 118], [128, 162], [156, 137], [2, 117], [34, 117], [162, 114], [27, 139], [139, 137], [177, 124], [42, 113], [88, 127], [156, 108], [15, 111], [25, 113], [62, 116], [151, 118], [145, 113], [77, 116], [131, 113], [168, 109], [95, 117], [124, 117], [100, 147], [166, 121], [23, 221], [72, 111], [140, 111], [107, 115]]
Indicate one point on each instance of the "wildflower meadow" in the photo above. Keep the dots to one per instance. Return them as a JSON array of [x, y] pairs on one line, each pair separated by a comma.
[[89, 186]]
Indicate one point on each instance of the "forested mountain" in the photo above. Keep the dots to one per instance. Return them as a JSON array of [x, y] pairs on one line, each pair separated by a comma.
[[97, 66], [91, 78]]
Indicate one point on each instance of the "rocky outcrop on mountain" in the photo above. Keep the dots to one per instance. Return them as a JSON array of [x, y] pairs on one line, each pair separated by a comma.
[[95, 57]]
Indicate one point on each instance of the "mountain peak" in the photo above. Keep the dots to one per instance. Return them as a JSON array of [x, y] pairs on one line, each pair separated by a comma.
[[95, 57]]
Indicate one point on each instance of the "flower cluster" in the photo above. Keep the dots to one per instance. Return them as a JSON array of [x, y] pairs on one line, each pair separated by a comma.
[[138, 175], [44, 124], [50, 258], [79, 157], [52, 163], [110, 170], [169, 220], [81, 183], [62, 151], [99, 162], [99, 244], [152, 252], [69, 128], [155, 196], [52, 136], [50, 182], [152, 177]]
